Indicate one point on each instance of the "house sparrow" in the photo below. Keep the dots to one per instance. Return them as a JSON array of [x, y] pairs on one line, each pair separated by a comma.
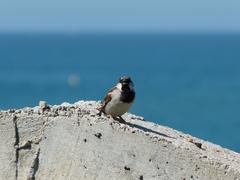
[[118, 99]]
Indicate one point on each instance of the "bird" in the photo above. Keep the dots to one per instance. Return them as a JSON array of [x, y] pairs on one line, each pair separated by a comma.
[[119, 99]]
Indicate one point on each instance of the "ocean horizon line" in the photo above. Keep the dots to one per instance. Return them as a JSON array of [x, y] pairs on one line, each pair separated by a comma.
[[109, 33]]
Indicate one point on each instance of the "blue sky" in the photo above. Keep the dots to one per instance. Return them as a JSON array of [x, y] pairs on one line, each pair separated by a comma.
[[124, 15]]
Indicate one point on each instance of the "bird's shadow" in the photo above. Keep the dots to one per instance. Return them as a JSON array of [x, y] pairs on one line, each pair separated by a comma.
[[148, 130], [121, 120]]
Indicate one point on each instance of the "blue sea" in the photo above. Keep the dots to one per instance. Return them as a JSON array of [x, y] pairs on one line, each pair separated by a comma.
[[190, 82]]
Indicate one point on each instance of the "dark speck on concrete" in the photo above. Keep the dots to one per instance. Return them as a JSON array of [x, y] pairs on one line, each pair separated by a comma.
[[98, 135], [141, 177], [127, 168]]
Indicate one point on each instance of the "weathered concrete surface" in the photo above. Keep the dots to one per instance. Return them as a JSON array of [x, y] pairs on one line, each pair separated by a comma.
[[71, 142]]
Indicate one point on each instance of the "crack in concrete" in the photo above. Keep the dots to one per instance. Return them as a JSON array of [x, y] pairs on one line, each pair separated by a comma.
[[34, 167], [16, 146]]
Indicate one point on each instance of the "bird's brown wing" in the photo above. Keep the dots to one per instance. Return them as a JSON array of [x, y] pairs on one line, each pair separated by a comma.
[[106, 100]]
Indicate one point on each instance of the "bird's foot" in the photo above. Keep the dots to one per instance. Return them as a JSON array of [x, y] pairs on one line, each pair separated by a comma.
[[109, 116], [99, 113]]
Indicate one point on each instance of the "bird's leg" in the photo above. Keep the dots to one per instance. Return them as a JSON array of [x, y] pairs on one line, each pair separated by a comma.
[[121, 120], [100, 111]]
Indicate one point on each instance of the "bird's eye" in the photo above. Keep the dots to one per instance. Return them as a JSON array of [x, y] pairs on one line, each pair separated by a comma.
[[121, 79]]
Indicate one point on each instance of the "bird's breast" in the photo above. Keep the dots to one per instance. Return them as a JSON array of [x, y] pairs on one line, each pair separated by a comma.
[[116, 107]]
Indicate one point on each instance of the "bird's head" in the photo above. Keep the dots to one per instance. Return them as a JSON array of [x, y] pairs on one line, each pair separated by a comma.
[[126, 83]]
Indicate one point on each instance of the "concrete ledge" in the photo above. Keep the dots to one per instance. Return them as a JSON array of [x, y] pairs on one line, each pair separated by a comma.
[[70, 141]]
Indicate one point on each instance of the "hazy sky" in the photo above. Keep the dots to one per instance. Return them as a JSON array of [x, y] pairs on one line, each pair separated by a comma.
[[121, 15]]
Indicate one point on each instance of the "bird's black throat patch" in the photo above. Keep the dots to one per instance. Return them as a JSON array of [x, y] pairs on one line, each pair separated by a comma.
[[127, 96]]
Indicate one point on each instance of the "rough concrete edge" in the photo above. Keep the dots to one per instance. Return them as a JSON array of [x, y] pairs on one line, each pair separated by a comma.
[[215, 155]]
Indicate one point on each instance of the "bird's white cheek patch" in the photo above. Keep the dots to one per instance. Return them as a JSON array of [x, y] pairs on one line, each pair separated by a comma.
[[119, 86]]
